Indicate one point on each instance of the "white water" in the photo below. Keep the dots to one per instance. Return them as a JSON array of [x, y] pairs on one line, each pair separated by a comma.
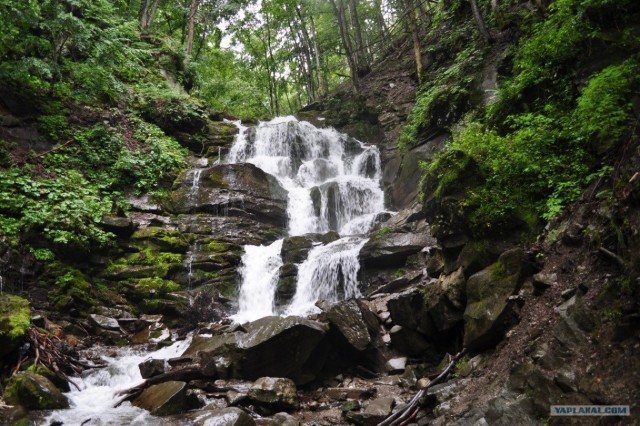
[[330, 272], [260, 266], [344, 175], [98, 391]]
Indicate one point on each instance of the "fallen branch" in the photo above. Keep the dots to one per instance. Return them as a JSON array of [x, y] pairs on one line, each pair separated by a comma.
[[613, 256], [405, 414]]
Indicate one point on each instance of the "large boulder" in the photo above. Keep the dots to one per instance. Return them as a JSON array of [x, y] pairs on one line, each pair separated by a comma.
[[167, 398], [34, 392], [271, 346], [276, 392], [489, 311], [230, 190], [388, 248], [355, 322]]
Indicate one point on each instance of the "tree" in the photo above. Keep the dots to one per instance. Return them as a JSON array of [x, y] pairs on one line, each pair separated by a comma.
[[193, 9], [147, 13]]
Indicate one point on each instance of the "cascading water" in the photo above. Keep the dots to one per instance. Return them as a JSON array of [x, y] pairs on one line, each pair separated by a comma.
[[333, 184], [94, 403]]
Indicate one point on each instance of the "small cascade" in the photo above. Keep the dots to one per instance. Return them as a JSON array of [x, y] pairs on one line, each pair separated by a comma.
[[1, 284], [259, 271], [94, 403], [333, 184], [195, 182], [190, 256], [329, 273]]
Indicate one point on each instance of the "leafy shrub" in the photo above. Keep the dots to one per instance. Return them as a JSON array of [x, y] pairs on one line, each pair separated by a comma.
[[67, 209]]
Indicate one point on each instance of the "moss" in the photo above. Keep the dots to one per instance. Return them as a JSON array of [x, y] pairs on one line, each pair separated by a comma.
[[43, 371], [155, 286], [15, 320], [164, 239], [72, 290], [382, 233], [215, 247], [33, 392]]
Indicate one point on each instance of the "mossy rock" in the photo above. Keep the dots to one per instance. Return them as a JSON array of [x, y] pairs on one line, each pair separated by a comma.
[[34, 392], [489, 312], [57, 380], [73, 290], [15, 320], [148, 287], [164, 239]]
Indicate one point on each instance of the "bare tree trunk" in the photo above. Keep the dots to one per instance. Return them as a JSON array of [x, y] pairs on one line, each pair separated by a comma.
[[147, 13], [322, 81], [306, 52], [478, 17], [192, 25], [338, 9], [417, 49], [361, 54]]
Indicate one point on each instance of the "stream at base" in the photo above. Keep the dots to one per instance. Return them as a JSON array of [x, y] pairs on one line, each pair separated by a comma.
[[93, 404]]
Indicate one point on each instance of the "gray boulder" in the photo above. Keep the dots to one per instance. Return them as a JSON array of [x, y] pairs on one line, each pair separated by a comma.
[[489, 311], [353, 319], [390, 249], [374, 413], [276, 392], [167, 398], [271, 346], [230, 416]]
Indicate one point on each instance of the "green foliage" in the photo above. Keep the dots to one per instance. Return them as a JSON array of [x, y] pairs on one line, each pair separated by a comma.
[[444, 96], [539, 146], [67, 209], [604, 108], [228, 84]]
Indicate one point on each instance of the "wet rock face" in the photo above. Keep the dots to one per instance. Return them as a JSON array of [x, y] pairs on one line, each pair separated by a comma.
[[231, 190], [34, 392]]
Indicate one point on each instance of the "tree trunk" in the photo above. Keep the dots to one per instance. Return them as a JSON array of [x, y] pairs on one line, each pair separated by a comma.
[[413, 25], [192, 25], [478, 17], [338, 9], [361, 55], [322, 81], [147, 13]]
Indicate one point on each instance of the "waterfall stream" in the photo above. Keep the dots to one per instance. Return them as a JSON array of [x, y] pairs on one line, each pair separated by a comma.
[[94, 403], [333, 184]]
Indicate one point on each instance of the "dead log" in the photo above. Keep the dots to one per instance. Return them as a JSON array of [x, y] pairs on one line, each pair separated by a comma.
[[405, 414]]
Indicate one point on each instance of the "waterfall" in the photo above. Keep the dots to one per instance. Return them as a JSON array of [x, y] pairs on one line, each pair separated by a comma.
[[329, 273], [333, 184]]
